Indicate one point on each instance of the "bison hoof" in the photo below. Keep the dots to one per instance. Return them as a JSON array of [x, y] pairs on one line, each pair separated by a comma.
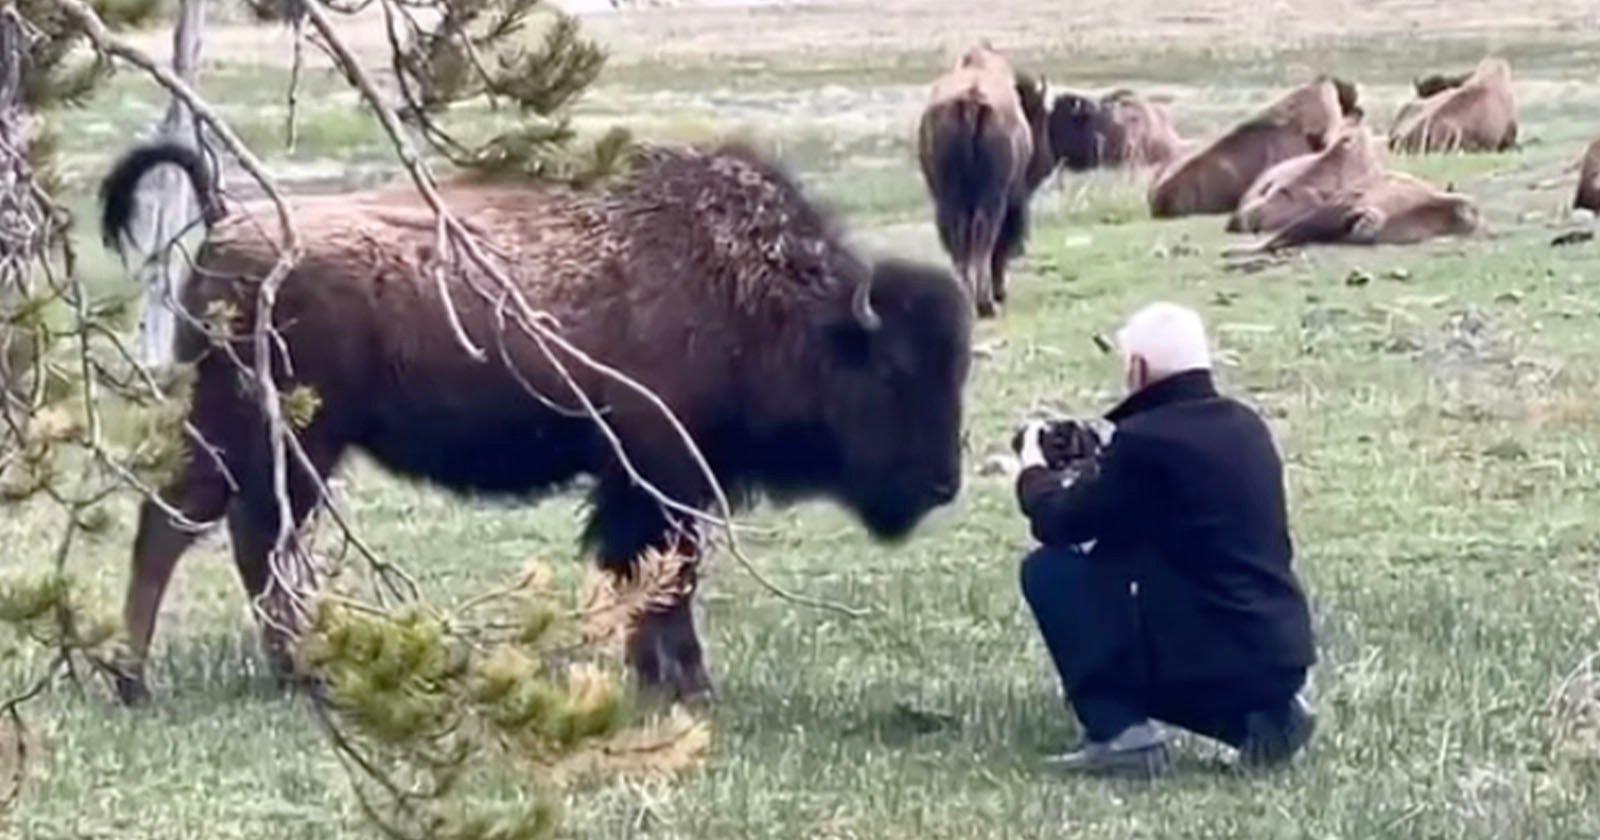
[[682, 683], [986, 309], [131, 690]]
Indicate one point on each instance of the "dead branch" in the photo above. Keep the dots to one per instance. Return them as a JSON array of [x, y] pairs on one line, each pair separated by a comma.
[[537, 325]]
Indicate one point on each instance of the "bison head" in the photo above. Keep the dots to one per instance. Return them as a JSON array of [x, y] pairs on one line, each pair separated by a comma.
[[1436, 83], [892, 399], [1079, 132], [1031, 95]]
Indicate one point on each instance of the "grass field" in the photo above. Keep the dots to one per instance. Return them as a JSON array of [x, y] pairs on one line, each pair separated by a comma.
[[1438, 407]]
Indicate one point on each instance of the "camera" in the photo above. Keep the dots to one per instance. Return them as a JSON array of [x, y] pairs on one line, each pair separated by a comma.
[[1065, 442]]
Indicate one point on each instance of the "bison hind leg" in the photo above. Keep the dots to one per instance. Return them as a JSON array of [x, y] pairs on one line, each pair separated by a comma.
[[1011, 244]]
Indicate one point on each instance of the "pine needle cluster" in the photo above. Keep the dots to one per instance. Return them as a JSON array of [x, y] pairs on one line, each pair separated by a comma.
[[522, 56], [508, 693]]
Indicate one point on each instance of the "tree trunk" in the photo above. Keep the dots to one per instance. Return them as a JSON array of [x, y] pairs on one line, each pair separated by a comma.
[[21, 217], [167, 233]]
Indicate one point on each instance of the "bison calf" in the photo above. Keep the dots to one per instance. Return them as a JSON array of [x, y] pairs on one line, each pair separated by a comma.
[[799, 369]]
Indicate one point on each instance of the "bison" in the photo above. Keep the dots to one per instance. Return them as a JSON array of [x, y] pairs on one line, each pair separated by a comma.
[[1290, 189], [1214, 178], [801, 370], [1588, 197], [983, 151], [1396, 209], [1477, 113], [1122, 128]]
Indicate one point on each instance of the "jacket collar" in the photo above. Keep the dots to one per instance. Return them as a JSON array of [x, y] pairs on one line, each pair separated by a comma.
[[1181, 387]]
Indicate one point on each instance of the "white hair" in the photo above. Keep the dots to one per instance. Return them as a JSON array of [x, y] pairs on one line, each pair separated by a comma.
[[1170, 338]]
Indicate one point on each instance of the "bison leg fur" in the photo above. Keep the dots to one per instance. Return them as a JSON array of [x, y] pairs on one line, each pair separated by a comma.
[[985, 232], [665, 652], [1013, 235], [663, 648], [253, 527], [201, 495]]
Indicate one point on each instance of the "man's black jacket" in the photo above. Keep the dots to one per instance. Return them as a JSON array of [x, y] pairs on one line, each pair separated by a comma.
[[1188, 505]]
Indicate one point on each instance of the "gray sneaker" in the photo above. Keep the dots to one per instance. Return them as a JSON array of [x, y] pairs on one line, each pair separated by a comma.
[[1274, 738], [1140, 751]]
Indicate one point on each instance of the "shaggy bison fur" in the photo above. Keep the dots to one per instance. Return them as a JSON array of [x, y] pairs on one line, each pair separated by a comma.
[[1477, 113], [983, 151], [1298, 185], [1214, 178], [801, 370], [1396, 209], [1120, 129]]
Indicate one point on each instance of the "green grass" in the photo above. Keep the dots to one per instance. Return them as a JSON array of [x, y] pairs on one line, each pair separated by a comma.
[[1440, 424]]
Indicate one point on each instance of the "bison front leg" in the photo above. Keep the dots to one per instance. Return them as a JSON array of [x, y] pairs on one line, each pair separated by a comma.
[[664, 648]]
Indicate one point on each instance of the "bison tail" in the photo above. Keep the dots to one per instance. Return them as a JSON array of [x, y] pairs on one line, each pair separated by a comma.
[[963, 165], [119, 190]]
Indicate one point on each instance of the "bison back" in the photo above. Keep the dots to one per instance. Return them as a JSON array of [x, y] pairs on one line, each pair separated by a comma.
[[1213, 180]]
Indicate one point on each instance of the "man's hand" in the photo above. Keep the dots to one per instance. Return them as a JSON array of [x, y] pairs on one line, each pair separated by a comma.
[[1031, 454]]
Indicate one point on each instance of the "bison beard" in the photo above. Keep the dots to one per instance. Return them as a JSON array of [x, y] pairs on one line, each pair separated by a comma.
[[800, 370]]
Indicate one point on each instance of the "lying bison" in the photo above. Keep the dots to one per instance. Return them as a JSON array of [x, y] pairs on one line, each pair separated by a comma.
[[1120, 129], [1588, 197], [800, 369], [1477, 113], [1215, 177], [1287, 191], [983, 152], [1396, 209]]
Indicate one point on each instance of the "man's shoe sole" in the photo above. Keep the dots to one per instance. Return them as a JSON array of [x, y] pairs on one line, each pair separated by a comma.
[[1148, 763]]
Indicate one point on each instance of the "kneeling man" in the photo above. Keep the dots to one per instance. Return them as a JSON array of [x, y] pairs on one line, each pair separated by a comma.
[[1163, 587]]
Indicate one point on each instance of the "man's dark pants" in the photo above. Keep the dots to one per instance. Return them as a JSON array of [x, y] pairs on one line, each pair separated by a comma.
[[1078, 606]]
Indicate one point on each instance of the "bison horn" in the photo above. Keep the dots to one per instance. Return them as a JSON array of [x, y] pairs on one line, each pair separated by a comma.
[[861, 307]]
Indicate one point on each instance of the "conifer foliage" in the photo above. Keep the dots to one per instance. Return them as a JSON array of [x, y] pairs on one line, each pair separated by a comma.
[[461, 721]]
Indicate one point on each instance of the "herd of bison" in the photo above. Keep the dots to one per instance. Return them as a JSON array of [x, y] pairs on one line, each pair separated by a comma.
[[1304, 169], [799, 368]]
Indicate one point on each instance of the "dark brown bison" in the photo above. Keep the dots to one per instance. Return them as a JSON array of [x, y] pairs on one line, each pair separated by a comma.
[[1397, 209], [1121, 128], [1215, 177], [1588, 197], [801, 370], [983, 152], [1474, 114], [1287, 191]]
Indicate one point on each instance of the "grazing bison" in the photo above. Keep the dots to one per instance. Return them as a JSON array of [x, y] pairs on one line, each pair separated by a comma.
[[983, 152], [799, 369], [1287, 191], [1394, 210], [1477, 113], [1588, 197], [1122, 128], [1214, 178]]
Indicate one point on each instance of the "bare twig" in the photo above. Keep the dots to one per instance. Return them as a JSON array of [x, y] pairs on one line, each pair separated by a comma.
[[537, 326]]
